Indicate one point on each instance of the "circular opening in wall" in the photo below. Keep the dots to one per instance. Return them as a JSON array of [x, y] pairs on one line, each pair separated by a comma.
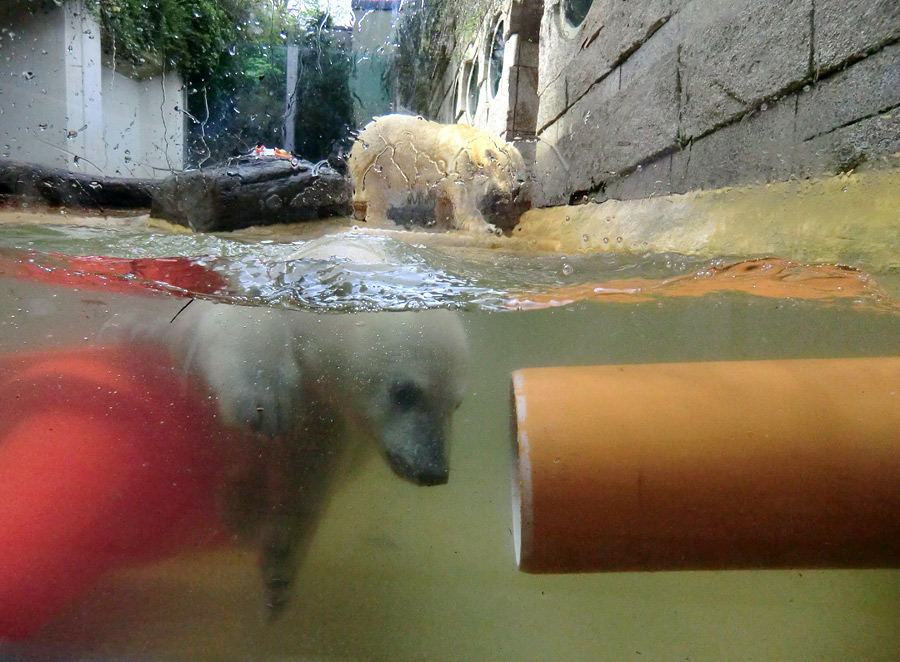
[[575, 11], [495, 64], [472, 93]]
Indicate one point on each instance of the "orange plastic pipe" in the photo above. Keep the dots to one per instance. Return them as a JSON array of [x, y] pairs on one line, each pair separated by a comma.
[[720, 465]]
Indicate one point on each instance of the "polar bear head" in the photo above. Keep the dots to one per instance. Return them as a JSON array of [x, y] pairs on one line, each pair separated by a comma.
[[490, 162], [498, 175], [400, 376]]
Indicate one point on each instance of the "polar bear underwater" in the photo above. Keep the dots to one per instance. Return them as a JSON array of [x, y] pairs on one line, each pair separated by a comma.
[[297, 380], [398, 159]]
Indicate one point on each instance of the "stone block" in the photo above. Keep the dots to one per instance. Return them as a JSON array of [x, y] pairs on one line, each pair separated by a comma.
[[551, 171], [526, 101], [864, 142], [647, 181], [613, 129], [611, 32], [751, 50], [759, 148], [560, 42], [627, 29], [734, 76], [848, 28], [664, 42], [528, 54], [524, 18], [552, 102], [556, 47], [865, 88]]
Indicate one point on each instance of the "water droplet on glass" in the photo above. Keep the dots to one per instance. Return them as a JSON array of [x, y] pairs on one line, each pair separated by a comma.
[[584, 238], [567, 270], [96, 185], [618, 240], [28, 75], [587, 116]]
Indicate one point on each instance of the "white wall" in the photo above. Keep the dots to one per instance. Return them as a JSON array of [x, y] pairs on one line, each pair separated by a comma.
[[58, 101], [32, 86], [143, 131]]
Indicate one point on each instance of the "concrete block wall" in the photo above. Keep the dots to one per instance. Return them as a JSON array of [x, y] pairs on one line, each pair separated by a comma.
[[511, 111], [666, 96]]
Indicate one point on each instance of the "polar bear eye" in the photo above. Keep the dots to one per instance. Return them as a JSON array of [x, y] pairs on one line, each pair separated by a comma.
[[406, 395]]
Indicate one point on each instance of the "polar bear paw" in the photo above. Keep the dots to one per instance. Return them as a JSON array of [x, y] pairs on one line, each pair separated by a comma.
[[476, 225]]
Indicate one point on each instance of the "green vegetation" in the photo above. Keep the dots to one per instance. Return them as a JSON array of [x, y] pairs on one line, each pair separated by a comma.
[[183, 35], [232, 55], [242, 103]]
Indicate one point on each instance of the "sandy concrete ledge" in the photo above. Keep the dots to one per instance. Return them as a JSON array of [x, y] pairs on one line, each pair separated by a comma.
[[849, 219], [852, 218]]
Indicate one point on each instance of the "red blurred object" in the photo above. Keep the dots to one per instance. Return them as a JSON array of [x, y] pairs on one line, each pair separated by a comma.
[[177, 275], [108, 457]]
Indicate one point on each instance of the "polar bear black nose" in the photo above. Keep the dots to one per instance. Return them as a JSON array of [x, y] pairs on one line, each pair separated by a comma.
[[438, 477], [432, 473]]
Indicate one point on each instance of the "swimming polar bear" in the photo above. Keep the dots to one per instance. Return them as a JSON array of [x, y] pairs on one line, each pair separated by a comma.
[[399, 159], [296, 380]]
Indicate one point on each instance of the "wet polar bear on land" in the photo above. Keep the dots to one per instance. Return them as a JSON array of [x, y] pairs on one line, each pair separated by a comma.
[[401, 158], [297, 381]]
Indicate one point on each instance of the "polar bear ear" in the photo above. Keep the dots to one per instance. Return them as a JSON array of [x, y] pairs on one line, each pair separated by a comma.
[[491, 155]]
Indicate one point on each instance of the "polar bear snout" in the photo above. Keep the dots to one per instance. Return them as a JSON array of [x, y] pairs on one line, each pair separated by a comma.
[[435, 472], [419, 453], [414, 438]]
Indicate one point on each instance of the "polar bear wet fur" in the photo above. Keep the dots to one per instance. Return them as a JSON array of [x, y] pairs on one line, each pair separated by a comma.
[[294, 380], [399, 158]]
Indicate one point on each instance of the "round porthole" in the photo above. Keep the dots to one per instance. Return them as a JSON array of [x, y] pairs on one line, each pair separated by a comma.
[[495, 61], [574, 11], [472, 90]]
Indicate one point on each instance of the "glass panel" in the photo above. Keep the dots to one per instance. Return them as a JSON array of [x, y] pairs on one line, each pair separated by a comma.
[[483, 330]]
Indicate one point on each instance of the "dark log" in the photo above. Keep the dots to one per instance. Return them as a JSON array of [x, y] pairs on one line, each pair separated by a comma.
[[253, 191], [58, 187]]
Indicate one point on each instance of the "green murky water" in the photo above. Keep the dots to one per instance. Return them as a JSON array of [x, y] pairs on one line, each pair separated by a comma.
[[404, 573]]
